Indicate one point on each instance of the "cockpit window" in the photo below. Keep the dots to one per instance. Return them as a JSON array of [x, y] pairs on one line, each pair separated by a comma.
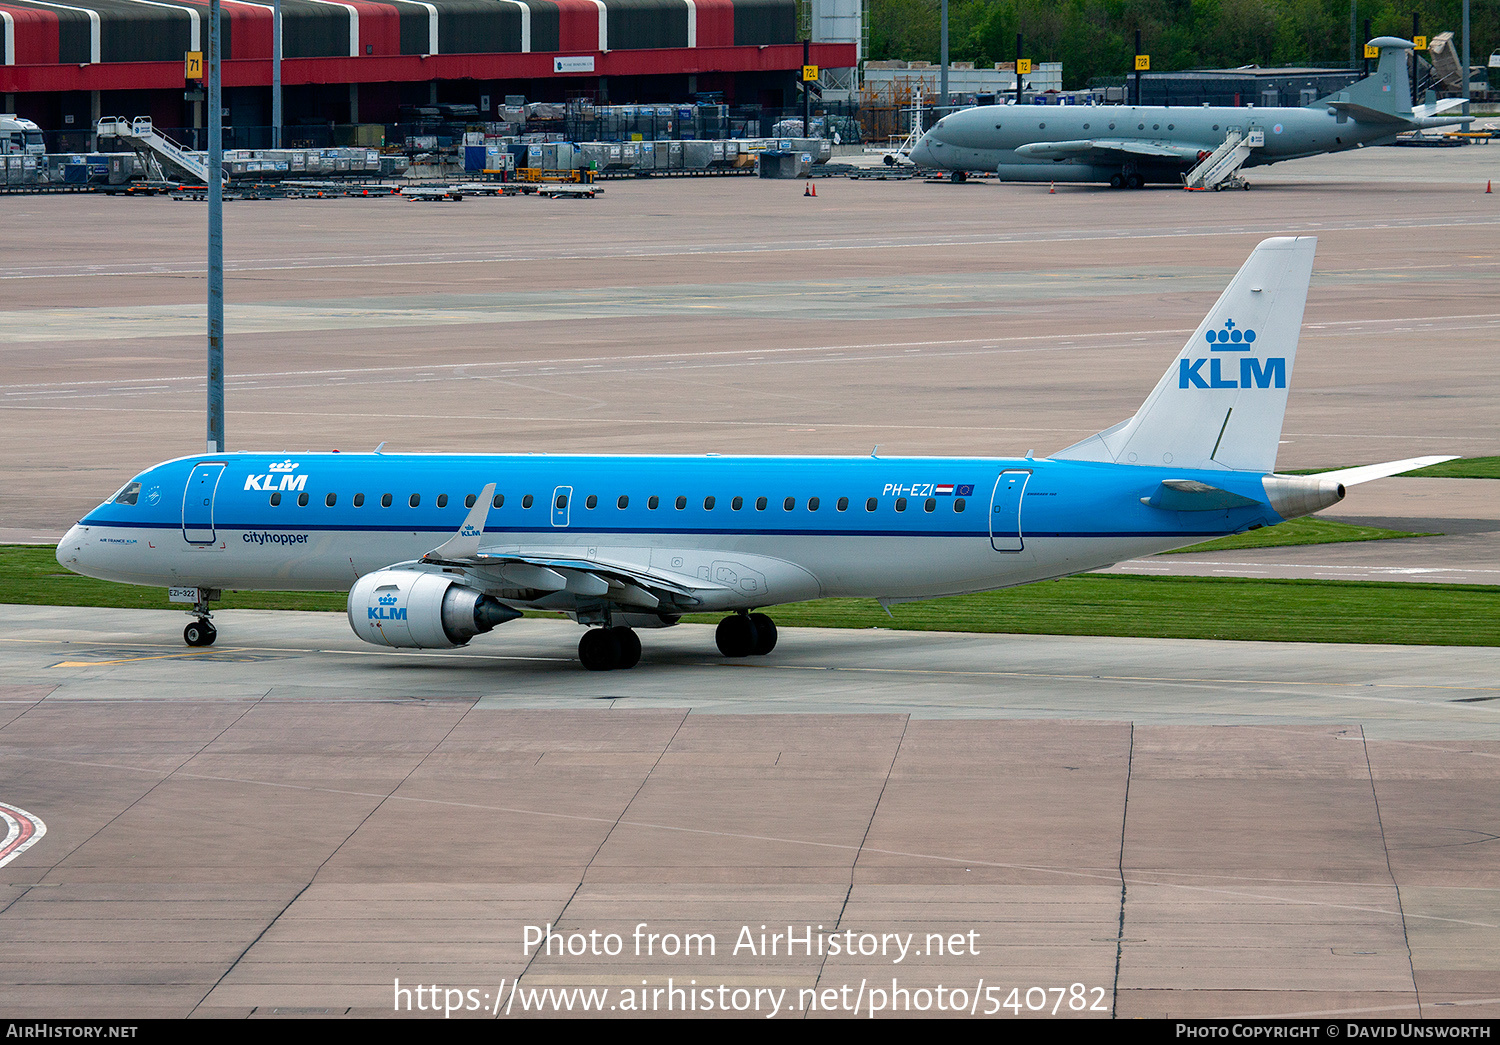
[[129, 495]]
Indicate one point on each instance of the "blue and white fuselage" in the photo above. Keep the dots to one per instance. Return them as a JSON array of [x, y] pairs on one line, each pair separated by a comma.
[[438, 549], [787, 528]]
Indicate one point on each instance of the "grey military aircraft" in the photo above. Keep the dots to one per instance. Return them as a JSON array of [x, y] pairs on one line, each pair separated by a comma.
[[1205, 147]]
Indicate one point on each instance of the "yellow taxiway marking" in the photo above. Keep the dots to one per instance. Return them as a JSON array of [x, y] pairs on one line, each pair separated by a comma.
[[159, 656]]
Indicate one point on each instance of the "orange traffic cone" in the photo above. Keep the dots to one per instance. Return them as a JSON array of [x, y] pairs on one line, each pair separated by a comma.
[[814, 188], [807, 189], [1486, 186], [1052, 189]]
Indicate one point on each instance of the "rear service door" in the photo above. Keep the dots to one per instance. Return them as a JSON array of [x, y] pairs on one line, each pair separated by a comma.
[[1005, 511], [198, 502]]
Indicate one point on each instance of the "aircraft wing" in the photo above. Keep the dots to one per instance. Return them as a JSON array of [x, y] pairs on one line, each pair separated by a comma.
[[1110, 146], [564, 579]]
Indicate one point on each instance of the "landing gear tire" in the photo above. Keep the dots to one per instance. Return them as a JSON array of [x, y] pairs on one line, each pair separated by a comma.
[[765, 634], [1133, 182], [630, 647], [737, 636], [199, 633], [959, 177], [599, 649], [1117, 181]]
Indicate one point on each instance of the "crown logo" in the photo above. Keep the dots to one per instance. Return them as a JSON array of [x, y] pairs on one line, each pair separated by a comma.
[[388, 600], [1231, 334], [284, 466]]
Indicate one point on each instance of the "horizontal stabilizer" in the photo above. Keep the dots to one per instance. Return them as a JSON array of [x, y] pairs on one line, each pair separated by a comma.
[[1189, 495], [1365, 114], [1366, 472]]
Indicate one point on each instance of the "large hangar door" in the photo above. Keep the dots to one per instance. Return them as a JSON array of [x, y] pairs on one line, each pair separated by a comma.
[[1005, 511]]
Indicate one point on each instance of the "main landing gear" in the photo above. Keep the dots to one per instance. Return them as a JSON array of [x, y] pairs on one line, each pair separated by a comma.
[[746, 635], [739, 635], [602, 649]]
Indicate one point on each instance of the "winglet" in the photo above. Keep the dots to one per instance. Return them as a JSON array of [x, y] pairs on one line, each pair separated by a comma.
[[465, 543]]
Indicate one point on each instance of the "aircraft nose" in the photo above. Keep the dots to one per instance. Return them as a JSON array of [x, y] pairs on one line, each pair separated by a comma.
[[70, 549], [922, 153]]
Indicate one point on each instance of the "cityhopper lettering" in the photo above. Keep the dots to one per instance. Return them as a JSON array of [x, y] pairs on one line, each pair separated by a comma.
[[1252, 372]]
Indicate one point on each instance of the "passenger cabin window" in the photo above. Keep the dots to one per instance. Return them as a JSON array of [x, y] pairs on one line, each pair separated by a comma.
[[737, 503], [959, 504], [760, 504], [129, 495], [652, 502], [592, 502], [385, 500], [788, 504], [469, 501], [562, 500], [442, 500], [526, 501], [499, 501], [623, 502], [843, 504], [302, 499], [872, 504], [414, 500], [331, 500], [681, 502], [930, 505], [812, 504], [708, 504], [275, 498], [359, 500], [900, 504]]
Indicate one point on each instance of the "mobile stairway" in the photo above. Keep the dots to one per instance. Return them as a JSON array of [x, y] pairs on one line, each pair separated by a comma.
[[157, 149], [1220, 168]]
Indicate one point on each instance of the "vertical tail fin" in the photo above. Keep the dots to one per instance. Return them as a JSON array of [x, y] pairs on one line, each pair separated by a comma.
[[1221, 403], [1387, 90]]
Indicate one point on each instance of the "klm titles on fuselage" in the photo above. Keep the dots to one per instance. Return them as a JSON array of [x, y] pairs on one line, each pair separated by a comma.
[[1253, 372], [278, 477]]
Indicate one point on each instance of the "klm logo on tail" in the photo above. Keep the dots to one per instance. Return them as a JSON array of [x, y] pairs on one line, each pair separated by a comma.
[[1253, 373]]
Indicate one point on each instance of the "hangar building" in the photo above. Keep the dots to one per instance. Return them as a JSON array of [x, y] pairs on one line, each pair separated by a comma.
[[362, 61]]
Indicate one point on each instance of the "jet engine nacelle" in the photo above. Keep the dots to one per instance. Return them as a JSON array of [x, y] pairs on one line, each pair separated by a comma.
[[417, 610]]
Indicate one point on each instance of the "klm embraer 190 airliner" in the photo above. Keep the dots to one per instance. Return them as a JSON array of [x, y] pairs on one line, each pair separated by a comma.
[[437, 549]]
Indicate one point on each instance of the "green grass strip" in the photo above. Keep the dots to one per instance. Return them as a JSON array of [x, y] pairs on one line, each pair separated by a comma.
[[1190, 608], [1463, 468], [1307, 530], [1091, 604]]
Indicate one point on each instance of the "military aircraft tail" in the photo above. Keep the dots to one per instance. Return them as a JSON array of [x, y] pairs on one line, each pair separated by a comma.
[[1220, 404], [1385, 92]]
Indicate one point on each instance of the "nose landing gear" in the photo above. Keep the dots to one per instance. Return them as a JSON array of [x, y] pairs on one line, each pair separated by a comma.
[[201, 632]]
